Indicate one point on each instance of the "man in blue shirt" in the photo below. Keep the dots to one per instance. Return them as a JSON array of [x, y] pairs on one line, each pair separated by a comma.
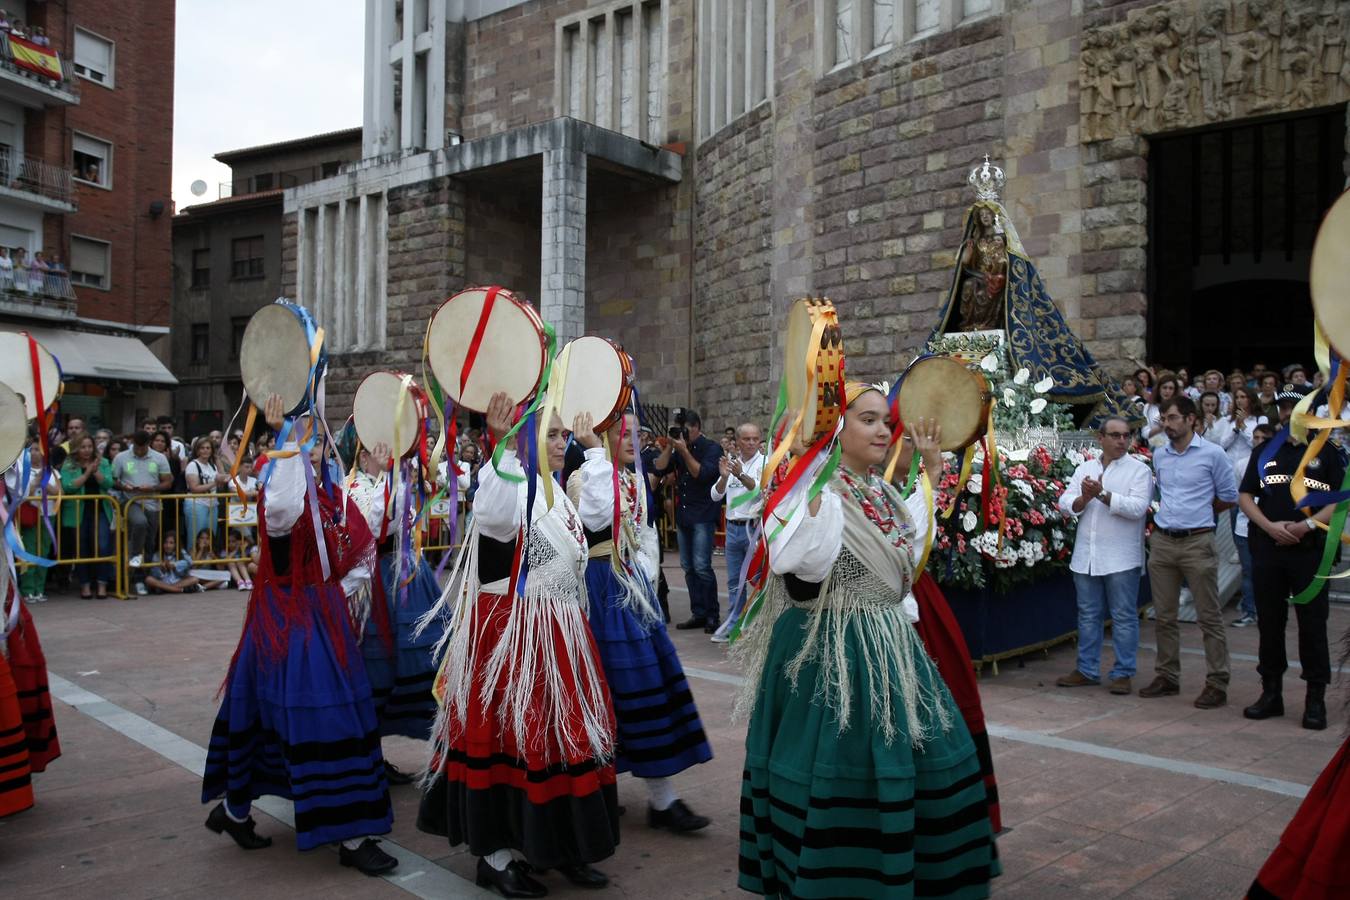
[[693, 457], [1195, 483]]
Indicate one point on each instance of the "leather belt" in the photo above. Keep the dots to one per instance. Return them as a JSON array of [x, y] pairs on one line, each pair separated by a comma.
[[1185, 532], [743, 522]]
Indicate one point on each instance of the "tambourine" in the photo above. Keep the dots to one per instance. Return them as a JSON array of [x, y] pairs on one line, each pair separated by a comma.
[[599, 381], [13, 427], [1329, 277], [18, 372], [485, 340], [381, 419], [275, 353], [814, 365], [952, 393]]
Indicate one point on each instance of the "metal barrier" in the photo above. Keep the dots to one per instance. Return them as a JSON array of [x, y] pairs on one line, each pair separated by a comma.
[[147, 519], [72, 544]]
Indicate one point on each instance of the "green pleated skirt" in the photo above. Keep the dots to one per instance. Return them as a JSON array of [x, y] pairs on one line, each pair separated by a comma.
[[826, 814]]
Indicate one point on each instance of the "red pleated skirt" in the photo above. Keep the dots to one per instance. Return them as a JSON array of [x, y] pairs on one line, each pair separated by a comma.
[[16, 782], [1312, 860], [496, 790], [29, 668], [946, 645]]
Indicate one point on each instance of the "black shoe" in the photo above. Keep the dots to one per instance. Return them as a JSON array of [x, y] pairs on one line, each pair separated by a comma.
[[710, 628], [678, 818], [691, 623], [1315, 707], [394, 775], [367, 858], [1270, 703], [242, 832], [510, 882], [584, 876]]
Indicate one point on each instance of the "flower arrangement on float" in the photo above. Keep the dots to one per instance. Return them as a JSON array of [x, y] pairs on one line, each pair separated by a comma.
[[1002, 527]]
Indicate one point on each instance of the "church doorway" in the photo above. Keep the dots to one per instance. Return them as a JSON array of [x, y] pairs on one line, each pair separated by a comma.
[[1232, 215]]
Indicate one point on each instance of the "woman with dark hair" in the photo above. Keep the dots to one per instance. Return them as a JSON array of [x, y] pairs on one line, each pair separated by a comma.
[[1144, 378], [1169, 386], [87, 525]]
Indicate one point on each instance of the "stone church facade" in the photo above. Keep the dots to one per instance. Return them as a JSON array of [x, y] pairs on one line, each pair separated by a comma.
[[673, 173]]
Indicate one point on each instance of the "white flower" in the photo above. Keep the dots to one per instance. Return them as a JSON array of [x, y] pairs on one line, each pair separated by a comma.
[[1022, 376], [1009, 398], [1075, 457], [1037, 405], [989, 363], [968, 521], [1025, 489], [975, 483], [1021, 455], [1043, 385]]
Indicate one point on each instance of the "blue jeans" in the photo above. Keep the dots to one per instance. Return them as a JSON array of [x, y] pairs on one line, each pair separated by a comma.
[[1119, 592], [696, 546], [738, 544], [1248, 603], [95, 539]]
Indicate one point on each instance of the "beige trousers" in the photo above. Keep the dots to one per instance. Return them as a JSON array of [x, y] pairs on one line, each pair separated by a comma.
[[1194, 559]]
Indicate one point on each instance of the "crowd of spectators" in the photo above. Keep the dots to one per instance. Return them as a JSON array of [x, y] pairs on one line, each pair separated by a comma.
[[38, 275]]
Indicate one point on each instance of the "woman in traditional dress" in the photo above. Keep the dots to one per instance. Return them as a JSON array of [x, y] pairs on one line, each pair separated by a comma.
[[297, 719], [399, 660], [1312, 859], [522, 750], [861, 780], [660, 733]]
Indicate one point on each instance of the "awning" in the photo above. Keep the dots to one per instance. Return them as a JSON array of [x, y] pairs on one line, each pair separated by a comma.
[[101, 357]]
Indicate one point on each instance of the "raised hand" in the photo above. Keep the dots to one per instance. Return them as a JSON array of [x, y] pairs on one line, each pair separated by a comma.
[[583, 431], [273, 413], [501, 414]]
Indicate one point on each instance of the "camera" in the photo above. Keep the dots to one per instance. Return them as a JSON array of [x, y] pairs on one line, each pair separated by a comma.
[[678, 429]]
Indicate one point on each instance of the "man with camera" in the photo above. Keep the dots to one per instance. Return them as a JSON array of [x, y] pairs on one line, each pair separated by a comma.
[[693, 457]]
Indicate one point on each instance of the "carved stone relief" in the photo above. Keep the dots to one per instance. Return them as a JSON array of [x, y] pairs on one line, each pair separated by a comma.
[[1191, 62]]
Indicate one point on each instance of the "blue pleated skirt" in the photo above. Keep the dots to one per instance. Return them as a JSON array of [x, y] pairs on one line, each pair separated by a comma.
[[659, 731], [302, 728], [401, 683]]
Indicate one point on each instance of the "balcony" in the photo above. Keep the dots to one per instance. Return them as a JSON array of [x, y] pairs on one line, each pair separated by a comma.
[[39, 295], [35, 183], [33, 89]]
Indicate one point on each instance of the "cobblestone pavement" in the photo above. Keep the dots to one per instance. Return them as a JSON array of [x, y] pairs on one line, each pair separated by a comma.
[[1103, 796]]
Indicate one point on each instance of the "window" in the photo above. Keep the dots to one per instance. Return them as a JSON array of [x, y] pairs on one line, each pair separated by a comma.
[[89, 262], [247, 258], [262, 182], [856, 29], [93, 57], [735, 60], [237, 326], [610, 69], [201, 268], [92, 160], [330, 168], [201, 342], [342, 269]]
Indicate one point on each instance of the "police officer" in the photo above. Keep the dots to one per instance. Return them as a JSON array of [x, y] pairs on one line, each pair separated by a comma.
[[1286, 549]]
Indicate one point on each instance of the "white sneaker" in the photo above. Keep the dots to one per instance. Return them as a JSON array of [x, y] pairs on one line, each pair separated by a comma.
[[141, 589], [40, 598], [31, 598], [719, 638]]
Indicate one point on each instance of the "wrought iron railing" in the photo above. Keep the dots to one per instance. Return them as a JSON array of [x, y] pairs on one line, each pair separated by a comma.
[[35, 176], [36, 286], [67, 82]]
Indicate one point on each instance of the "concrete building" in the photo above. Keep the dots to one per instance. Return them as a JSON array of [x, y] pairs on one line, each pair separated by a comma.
[[673, 173], [227, 264], [85, 140]]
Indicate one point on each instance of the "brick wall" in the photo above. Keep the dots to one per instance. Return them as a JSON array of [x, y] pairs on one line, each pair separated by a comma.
[[136, 117], [732, 271], [502, 237], [638, 265]]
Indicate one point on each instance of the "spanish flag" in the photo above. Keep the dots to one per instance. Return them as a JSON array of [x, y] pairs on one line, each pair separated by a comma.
[[42, 60]]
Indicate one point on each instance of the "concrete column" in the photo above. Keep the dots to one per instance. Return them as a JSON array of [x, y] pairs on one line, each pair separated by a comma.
[[562, 264], [379, 132], [411, 110]]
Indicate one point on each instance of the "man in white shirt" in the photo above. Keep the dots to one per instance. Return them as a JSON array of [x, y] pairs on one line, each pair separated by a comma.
[[739, 475], [1109, 497]]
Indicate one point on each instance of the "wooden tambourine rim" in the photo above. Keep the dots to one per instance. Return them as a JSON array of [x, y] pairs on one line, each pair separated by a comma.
[[574, 393], [823, 415], [13, 427], [17, 373], [263, 370], [447, 325], [951, 440], [415, 408]]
